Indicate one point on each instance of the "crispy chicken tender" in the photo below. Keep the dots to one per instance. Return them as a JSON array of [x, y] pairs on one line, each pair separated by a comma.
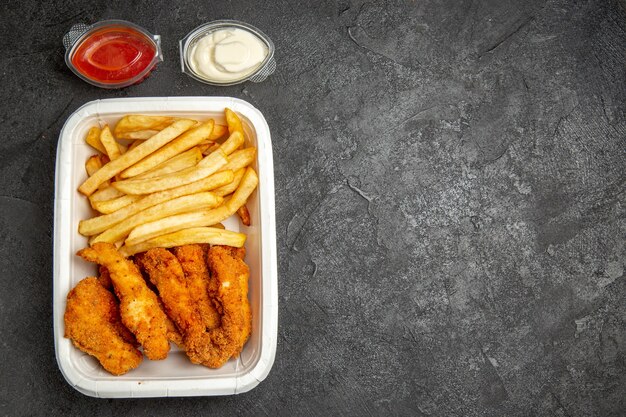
[[189, 310], [92, 323], [192, 259], [229, 291], [139, 306], [167, 275], [242, 320], [173, 334], [105, 278]]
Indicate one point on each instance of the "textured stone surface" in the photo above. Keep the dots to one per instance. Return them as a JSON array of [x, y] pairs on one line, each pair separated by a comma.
[[450, 197]]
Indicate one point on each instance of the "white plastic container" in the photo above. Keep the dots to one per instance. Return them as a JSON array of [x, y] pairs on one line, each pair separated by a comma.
[[175, 376]]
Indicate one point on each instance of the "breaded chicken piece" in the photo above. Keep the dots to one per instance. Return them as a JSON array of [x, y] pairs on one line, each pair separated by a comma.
[[105, 280], [229, 291], [165, 272], [192, 259], [139, 306], [246, 315], [92, 323], [173, 334]]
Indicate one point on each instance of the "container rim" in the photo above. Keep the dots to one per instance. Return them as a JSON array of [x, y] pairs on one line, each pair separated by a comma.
[[204, 29], [80, 32]]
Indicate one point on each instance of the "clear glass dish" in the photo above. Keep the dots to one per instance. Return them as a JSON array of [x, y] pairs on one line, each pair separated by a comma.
[[266, 68]]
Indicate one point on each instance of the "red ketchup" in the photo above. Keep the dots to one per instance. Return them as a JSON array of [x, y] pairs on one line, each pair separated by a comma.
[[113, 55]]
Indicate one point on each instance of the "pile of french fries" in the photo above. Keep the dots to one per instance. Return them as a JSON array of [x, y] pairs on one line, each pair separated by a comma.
[[172, 185]]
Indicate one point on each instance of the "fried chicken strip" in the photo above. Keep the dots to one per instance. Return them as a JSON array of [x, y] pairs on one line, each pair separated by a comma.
[[105, 280], [192, 259], [166, 273], [92, 323], [139, 306], [229, 291], [173, 335], [241, 321]]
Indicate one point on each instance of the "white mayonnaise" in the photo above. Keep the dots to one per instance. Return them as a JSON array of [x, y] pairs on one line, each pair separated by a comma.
[[228, 54]]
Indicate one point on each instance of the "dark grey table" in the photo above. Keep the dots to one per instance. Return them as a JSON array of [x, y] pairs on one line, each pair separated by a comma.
[[450, 198]]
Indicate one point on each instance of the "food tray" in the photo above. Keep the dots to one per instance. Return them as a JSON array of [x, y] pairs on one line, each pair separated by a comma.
[[175, 376]]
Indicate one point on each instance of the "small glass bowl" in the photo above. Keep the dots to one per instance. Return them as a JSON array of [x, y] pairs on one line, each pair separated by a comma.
[[267, 67], [81, 32]]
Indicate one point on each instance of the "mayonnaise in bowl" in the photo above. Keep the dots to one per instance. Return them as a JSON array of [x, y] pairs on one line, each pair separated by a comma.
[[227, 53]]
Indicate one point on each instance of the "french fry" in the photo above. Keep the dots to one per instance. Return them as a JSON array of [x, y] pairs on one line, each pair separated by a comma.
[[202, 218], [233, 121], [172, 207], [247, 185], [109, 206], [93, 139], [138, 135], [229, 188], [216, 161], [99, 224], [124, 161], [138, 122], [204, 146], [135, 144], [175, 223], [184, 160], [184, 142], [110, 144], [244, 215], [93, 164], [234, 141], [240, 159], [209, 148], [218, 132], [196, 235], [108, 193]]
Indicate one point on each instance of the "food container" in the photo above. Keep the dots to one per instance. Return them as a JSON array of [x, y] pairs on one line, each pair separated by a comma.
[[111, 53], [175, 376], [266, 68]]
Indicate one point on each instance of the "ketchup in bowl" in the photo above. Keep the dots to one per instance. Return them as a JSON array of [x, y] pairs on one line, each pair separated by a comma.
[[112, 54]]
